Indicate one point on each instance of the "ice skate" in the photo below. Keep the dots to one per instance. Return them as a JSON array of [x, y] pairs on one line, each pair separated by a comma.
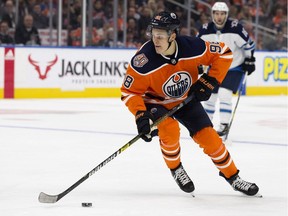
[[240, 185], [223, 130], [182, 179]]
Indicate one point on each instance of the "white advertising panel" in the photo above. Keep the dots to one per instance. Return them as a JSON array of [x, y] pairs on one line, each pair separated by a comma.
[[70, 68], [271, 70], [81, 72]]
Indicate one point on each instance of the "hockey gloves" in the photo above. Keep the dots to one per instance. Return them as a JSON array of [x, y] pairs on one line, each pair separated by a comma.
[[144, 119], [203, 87], [249, 65]]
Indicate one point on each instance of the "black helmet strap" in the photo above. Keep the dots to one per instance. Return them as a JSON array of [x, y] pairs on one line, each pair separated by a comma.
[[169, 42]]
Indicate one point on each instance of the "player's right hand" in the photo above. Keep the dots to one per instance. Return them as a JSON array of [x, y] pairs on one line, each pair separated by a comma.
[[144, 120], [203, 87]]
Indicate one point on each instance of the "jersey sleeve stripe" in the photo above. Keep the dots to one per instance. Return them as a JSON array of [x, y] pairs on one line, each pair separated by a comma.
[[227, 56], [227, 51], [224, 49], [125, 97]]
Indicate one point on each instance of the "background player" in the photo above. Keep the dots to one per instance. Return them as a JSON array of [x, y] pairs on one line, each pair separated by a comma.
[[161, 75], [232, 33]]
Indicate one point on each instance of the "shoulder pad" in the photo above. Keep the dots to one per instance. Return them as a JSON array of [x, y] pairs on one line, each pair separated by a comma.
[[207, 28], [146, 59], [190, 46], [237, 28]]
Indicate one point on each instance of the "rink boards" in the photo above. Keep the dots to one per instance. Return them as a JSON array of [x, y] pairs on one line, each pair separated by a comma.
[[49, 72]]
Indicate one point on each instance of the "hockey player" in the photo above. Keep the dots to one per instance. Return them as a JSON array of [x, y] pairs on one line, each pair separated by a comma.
[[232, 33], [161, 75]]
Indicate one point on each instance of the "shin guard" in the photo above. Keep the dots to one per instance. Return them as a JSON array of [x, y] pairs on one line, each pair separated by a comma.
[[212, 145], [169, 134]]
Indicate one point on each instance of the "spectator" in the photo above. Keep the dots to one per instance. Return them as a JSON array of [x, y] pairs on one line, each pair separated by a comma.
[[75, 12], [181, 16], [76, 37], [279, 4], [9, 14], [146, 16], [254, 11], [5, 38], [203, 19], [22, 10], [108, 41], [40, 20], [278, 18], [278, 43], [133, 28], [76, 34], [65, 19], [245, 14], [160, 5], [131, 41], [99, 18], [132, 13], [45, 7], [152, 5], [27, 34], [29, 5]]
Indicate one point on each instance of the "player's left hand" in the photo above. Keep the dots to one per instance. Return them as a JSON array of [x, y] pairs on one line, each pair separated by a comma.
[[249, 65], [203, 87], [144, 120]]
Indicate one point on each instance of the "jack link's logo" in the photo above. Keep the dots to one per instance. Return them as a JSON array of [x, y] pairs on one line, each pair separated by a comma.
[[177, 84], [46, 66]]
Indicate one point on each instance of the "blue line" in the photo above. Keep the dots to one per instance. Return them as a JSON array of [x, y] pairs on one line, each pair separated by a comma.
[[130, 134]]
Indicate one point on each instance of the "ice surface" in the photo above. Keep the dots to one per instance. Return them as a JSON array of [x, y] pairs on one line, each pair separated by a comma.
[[49, 144]]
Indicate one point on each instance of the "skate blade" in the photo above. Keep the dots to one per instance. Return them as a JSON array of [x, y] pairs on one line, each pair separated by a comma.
[[192, 194], [258, 195]]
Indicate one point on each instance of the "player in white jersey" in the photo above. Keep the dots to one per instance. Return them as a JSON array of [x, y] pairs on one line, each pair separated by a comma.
[[233, 34]]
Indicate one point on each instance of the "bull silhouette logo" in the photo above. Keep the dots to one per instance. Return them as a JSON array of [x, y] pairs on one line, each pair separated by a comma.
[[46, 66]]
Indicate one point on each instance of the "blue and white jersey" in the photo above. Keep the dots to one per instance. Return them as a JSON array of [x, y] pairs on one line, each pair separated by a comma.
[[234, 36]]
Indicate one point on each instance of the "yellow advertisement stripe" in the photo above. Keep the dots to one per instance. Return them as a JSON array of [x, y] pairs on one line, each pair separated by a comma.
[[58, 93], [115, 92], [268, 90], [1, 93]]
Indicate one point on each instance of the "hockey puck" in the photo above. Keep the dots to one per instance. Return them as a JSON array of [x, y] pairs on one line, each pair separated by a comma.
[[85, 204]]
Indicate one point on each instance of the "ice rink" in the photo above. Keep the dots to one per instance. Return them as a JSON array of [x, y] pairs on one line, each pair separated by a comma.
[[49, 144]]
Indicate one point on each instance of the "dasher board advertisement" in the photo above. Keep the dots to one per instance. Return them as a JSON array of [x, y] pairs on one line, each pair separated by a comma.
[[70, 72], [49, 72]]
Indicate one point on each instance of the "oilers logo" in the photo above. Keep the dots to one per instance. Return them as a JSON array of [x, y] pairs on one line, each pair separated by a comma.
[[177, 84]]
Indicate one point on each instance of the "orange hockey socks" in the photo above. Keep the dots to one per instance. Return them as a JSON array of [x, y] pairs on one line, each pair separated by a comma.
[[169, 134], [212, 145]]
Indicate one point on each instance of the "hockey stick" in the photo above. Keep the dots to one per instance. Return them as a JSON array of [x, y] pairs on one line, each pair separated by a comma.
[[236, 105], [46, 198]]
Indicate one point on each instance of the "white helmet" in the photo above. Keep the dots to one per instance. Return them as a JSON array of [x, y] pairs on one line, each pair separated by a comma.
[[220, 6]]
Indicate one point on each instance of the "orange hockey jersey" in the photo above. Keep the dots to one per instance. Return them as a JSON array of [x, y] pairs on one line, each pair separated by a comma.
[[166, 80]]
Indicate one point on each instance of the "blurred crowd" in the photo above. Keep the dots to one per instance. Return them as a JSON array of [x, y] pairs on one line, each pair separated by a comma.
[[33, 15]]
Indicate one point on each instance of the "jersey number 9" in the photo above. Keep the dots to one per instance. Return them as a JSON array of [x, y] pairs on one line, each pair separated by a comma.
[[215, 48]]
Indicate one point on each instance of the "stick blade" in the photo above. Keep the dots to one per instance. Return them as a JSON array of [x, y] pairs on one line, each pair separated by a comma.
[[45, 198]]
